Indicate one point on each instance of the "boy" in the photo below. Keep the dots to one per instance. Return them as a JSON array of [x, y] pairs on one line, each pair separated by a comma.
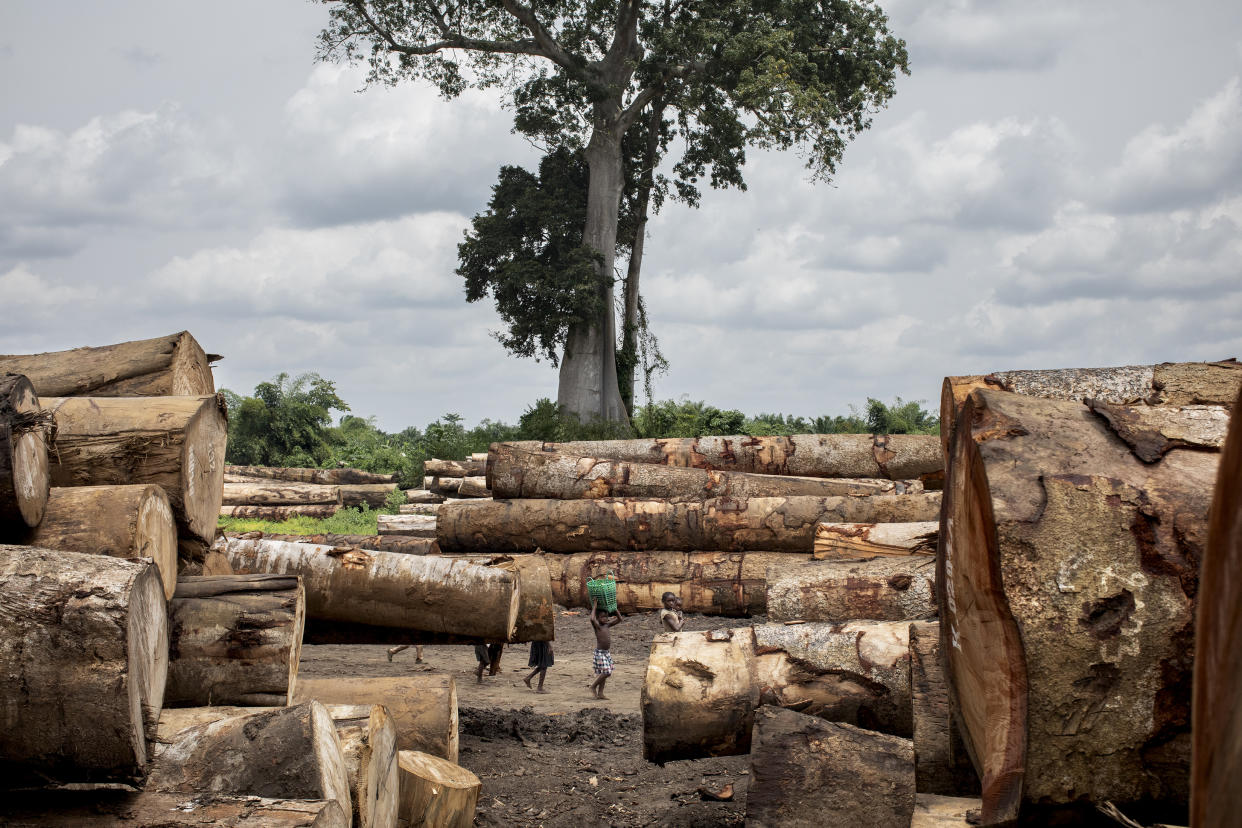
[[671, 616], [541, 659], [603, 648]]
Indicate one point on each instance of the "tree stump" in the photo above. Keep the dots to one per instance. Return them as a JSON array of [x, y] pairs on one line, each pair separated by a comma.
[[25, 432], [436, 793], [369, 747]]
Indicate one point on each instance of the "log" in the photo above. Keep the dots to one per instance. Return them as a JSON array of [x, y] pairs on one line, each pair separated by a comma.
[[120, 521], [455, 468], [147, 809], [809, 772], [436, 793], [84, 655], [1069, 568], [880, 589], [932, 811], [423, 708], [174, 442], [612, 524], [283, 753], [235, 639], [167, 366], [279, 514], [325, 477], [374, 495], [448, 485], [474, 487], [851, 541], [422, 496], [276, 493], [389, 543], [418, 508], [414, 526], [941, 765], [422, 592], [25, 433]]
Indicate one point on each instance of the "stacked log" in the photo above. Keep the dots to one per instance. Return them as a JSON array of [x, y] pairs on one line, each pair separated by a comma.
[[279, 513], [410, 526], [861, 540], [25, 432], [456, 478], [278, 499], [878, 589], [455, 468], [475, 487], [388, 543], [325, 477]]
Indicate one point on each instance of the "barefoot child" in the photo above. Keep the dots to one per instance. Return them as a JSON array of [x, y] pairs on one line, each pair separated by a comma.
[[541, 659], [603, 648], [671, 616]]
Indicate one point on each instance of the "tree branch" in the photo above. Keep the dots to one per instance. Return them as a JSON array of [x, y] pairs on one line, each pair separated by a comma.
[[547, 44], [449, 41]]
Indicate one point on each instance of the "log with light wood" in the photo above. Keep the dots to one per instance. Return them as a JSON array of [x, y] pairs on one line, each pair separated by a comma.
[[455, 468], [279, 493], [235, 639], [387, 589], [120, 521], [1068, 570], [891, 456], [474, 487], [445, 485], [851, 541], [418, 508], [26, 431], [879, 589], [280, 513], [422, 496], [374, 495], [807, 773], [324, 477], [517, 472], [147, 809], [283, 753], [175, 442], [414, 526], [612, 524], [933, 811], [537, 608], [84, 655], [423, 708], [436, 793], [941, 765], [167, 366], [389, 543]]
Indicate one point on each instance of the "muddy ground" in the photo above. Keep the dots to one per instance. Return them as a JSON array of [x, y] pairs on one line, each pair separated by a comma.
[[563, 758]]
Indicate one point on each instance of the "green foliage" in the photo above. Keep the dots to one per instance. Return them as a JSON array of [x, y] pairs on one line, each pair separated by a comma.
[[900, 418], [546, 421], [284, 424], [351, 521]]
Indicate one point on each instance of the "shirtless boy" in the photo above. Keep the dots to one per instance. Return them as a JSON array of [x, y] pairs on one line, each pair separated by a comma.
[[603, 648], [671, 616]]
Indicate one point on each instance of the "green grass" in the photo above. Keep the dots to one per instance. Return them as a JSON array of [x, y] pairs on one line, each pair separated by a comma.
[[352, 521]]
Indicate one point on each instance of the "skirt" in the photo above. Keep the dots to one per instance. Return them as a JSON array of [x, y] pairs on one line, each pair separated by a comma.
[[541, 654]]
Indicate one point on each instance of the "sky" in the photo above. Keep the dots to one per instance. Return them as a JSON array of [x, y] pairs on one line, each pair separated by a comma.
[[1055, 184]]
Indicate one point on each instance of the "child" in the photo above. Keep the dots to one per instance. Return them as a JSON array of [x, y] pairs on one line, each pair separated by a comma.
[[541, 659], [418, 652], [603, 648], [483, 658], [671, 616]]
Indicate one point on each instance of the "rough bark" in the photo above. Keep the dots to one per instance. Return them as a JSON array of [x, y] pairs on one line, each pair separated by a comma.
[[26, 431], [280, 513], [414, 526], [421, 592], [861, 540], [932, 811], [443, 485], [147, 809], [84, 653], [454, 468], [474, 487], [614, 524], [418, 509], [1069, 569], [389, 543], [167, 366], [436, 792], [891, 457], [880, 589], [174, 442], [326, 477], [235, 640], [809, 772], [279, 494], [374, 495], [940, 762], [422, 496]]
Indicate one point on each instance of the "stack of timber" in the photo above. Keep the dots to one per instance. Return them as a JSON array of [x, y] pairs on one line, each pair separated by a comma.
[[305, 492], [457, 478], [25, 433], [387, 543]]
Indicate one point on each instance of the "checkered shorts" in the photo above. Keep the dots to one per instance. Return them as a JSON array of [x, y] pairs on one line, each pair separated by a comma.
[[603, 662]]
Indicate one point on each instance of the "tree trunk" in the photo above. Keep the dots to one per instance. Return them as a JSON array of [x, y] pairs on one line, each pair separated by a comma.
[[474, 487], [280, 513], [25, 433], [1069, 568], [851, 541], [446, 485], [369, 747], [388, 543], [806, 772], [932, 811], [374, 495], [423, 708], [516, 472], [110, 808], [415, 526], [418, 509], [279, 494], [880, 589], [284, 753], [422, 496], [120, 521], [454, 468], [436, 793], [420, 592], [175, 442], [235, 640], [941, 765], [167, 366], [615, 524], [323, 477], [84, 655]]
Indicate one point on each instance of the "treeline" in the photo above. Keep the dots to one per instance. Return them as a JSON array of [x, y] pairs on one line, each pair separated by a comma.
[[288, 422]]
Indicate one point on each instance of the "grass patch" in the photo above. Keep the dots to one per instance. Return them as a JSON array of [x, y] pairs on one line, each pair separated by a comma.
[[359, 520]]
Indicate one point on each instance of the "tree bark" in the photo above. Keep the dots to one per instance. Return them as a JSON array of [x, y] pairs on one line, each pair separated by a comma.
[[517, 472], [423, 708], [851, 541], [235, 640], [120, 521], [374, 495], [167, 366], [880, 589], [615, 524], [369, 747], [84, 653], [418, 509], [279, 494], [421, 592], [1069, 569], [25, 433], [454, 468], [436, 792], [932, 811], [422, 496], [445, 485], [806, 772], [147, 809], [473, 487], [891, 457], [323, 477], [941, 765], [414, 526], [175, 442], [389, 543], [280, 513]]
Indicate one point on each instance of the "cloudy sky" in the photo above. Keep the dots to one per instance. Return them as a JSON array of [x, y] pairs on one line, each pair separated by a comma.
[[1057, 184]]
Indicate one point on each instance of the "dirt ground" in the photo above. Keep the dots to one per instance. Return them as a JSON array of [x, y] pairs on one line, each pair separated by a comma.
[[563, 758]]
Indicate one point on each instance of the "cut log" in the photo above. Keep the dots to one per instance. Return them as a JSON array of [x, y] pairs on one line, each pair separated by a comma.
[[110, 808], [121, 521], [941, 765], [26, 431], [278, 514], [932, 811], [613, 524], [414, 526], [84, 655], [279, 494], [326, 477], [174, 442], [235, 639], [851, 541], [283, 753], [422, 496], [474, 487], [423, 708], [418, 508], [446, 485], [455, 468], [880, 589], [374, 495], [1069, 568], [436, 793], [1217, 763], [167, 366], [809, 772], [389, 543], [421, 592]]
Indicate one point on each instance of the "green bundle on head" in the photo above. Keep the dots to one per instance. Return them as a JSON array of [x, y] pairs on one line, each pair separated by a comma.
[[604, 591]]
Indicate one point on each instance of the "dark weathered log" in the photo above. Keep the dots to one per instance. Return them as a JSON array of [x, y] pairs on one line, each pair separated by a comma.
[[422, 496], [932, 811], [809, 772], [374, 495], [280, 513], [851, 541], [235, 639], [25, 433], [893, 456], [1069, 568], [613, 524], [84, 655], [279, 493], [940, 762], [326, 477], [436, 792], [879, 589], [455, 468], [120, 521], [412, 526], [174, 442], [422, 592], [167, 366], [110, 808]]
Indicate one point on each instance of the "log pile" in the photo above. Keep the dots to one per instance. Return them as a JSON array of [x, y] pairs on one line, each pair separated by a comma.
[[456, 478], [276, 494]]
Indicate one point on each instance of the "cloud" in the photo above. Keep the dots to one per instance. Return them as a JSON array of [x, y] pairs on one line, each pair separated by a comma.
[[32, 300]]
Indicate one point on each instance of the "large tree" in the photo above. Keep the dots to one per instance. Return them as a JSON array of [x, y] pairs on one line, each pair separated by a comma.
[[730, 73]]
